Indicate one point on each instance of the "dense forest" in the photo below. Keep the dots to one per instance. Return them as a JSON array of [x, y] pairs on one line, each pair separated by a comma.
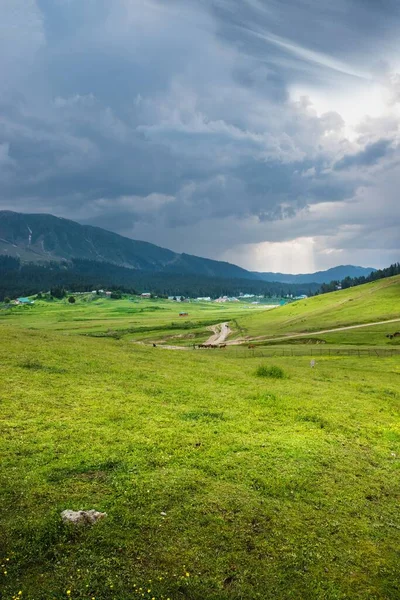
[[353, 281], [18, 279]]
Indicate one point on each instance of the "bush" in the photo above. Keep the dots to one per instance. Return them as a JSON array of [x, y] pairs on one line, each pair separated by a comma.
[[273, 371], [71, 300], [31, 363]]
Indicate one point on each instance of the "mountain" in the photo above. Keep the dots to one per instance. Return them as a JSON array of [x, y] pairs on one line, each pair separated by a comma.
[[334, 274], [43, 238]]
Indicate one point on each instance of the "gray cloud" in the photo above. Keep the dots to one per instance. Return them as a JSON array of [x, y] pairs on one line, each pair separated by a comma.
[[176, 122], [367, 157]]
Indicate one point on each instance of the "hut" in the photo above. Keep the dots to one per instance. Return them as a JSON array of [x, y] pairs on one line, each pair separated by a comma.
[[24, 301]]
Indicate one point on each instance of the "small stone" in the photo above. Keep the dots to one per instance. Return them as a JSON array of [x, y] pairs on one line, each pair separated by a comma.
[[82, 517], [163, 514]]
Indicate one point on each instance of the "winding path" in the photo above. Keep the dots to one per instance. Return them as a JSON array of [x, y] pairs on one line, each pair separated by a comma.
[[310, 333], [220, 333]]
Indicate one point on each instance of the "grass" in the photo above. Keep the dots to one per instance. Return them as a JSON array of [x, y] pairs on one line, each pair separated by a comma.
[[218, 485], [270, 371], [365, 336], [130, 318], [222, 479], [376, 301]]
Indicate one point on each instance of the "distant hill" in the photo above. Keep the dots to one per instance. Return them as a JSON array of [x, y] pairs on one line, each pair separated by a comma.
[[334, 274], [43, 238]]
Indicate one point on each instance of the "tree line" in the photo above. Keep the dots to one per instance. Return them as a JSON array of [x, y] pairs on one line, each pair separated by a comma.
[[81, 275]]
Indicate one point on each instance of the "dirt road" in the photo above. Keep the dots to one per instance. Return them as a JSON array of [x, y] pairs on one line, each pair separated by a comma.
[[220, 333], [222, 330], [311, 333]]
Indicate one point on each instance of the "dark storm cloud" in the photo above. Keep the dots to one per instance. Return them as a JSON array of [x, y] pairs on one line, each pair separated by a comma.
[[149, 117], [367, 157]]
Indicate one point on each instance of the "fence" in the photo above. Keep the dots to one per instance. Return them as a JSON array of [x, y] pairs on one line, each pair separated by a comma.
[[314, 352]]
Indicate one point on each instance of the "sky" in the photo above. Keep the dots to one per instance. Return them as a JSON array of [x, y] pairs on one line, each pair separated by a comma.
[[261, 132]]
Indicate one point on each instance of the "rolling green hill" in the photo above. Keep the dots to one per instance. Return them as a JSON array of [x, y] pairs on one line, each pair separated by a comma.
[[372, 302]]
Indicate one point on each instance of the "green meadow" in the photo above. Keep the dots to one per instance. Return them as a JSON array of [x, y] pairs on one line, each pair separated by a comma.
[[372, 302], [129, 318], [224, 476]]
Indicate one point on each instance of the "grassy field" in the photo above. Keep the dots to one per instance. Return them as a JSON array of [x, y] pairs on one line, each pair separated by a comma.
[[218, 483], [369, 336], [377, 301], [131, 318]]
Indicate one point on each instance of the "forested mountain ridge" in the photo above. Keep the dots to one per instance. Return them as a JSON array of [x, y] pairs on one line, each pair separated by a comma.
[[43, 238]]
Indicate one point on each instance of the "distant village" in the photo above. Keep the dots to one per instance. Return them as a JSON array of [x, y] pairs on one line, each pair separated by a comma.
[[254, 299], [249, 298]]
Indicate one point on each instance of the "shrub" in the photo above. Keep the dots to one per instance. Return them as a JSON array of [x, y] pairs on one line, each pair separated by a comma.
[[71, 300], [203, 415], [270, 371], [31, 363]]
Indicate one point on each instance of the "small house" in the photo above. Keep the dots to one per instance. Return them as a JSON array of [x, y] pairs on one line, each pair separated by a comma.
[[24, 301], [145, 295], [183, 314]]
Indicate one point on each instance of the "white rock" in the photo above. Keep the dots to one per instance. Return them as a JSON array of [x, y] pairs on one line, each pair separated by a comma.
[[78, 517]]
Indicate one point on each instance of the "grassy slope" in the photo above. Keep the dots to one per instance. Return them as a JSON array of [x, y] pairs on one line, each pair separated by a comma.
[[272, 489], [377, 301], [368, 336]]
